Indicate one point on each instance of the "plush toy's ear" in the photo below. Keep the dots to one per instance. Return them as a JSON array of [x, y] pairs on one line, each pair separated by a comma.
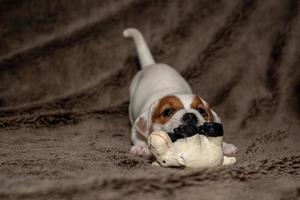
[[143, 123], [159, 143], [229, 160]]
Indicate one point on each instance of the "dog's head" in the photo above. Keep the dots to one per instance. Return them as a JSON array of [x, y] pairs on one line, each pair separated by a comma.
[[172, 111]]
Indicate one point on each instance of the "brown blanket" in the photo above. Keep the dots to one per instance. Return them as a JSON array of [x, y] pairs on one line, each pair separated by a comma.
[[65, 70]]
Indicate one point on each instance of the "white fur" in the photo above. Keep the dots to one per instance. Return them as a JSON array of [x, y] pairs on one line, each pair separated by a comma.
[[151, 83]]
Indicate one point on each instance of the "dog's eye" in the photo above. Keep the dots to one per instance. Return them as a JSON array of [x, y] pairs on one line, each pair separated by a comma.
[[201, 111], [168, 112]]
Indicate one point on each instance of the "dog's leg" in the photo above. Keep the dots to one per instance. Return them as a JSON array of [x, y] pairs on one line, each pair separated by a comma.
[[139, 147], [229, 148]]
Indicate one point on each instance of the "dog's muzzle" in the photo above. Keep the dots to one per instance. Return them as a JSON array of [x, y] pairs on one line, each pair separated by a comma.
[[209, 129]]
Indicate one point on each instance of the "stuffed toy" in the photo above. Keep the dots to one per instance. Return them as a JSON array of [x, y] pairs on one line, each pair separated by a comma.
[[190, 146]]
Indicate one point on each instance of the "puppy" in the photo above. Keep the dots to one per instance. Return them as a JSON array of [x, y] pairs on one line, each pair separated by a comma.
[[161, 99]]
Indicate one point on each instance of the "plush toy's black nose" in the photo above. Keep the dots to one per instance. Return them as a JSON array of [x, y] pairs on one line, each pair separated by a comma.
[[190, 118]]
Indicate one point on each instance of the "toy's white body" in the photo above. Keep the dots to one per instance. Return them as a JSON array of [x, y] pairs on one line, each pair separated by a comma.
[[197, 151]]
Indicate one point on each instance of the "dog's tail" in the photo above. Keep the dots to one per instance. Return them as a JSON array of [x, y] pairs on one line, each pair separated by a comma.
[[144, 53]]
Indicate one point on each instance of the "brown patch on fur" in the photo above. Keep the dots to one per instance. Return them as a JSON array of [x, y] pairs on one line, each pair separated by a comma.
[[167, 102], [198, 104]]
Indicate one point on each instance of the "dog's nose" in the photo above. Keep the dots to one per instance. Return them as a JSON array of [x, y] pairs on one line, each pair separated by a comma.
[[190, 118]]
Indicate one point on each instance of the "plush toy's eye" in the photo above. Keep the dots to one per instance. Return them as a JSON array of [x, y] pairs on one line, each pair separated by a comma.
[[168, 112]]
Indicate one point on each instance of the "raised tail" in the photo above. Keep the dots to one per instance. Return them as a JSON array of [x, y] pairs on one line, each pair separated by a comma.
[[143, 50]]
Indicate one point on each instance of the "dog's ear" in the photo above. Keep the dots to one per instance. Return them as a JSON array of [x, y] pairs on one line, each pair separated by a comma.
[[143, 123]]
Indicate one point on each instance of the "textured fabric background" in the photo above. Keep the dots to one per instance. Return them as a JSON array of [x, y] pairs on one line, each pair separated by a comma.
[[65, 70]]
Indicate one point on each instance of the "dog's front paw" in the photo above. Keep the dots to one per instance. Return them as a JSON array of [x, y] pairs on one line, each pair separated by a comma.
[[140, 150], [229, 148]]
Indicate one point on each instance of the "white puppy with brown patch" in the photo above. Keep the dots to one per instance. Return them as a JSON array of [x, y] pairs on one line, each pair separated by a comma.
[[161, 99]]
